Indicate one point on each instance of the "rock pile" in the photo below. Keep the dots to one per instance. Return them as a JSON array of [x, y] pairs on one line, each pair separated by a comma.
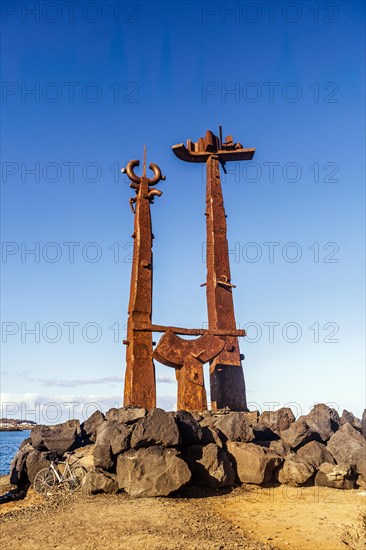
[[156, 453]]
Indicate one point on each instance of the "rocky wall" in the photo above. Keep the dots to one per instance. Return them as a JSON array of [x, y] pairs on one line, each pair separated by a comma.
[[157, 453]]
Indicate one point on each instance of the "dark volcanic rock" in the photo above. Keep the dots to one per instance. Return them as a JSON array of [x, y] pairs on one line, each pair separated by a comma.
[[100, 482], [315, 453], [254, 464], [211, 435], [280, 447], [323, 420], [36, 461], [208, 420], [102, 450], [279, 420], [339, 476], [112, 438], [37, 438], [59, 438], [151, 472], [351, 419], [264, 433], [251, 416], [157, 428], [18, 468], [189, 428], [234, 427], [120, 440], [128, 415], [348, 446], [295, 471], [84, 456], [91, 424], [210, 466], [363, 423], [298, 434], [197, 416], [25, 442]]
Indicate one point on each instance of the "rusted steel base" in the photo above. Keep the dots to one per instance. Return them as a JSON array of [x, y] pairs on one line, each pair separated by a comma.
[[140, 388], [188, 357], [223, 379], [191, 386]]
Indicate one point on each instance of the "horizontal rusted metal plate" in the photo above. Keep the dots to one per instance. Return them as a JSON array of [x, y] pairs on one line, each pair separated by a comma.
[[181, 151]]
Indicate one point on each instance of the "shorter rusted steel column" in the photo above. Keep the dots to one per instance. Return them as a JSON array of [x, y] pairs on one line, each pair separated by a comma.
[[191, 385], [140, 389]]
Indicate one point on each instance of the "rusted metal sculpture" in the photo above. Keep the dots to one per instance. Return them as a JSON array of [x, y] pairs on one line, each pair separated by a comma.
[[226, 373], [219, 343], [140, 390]]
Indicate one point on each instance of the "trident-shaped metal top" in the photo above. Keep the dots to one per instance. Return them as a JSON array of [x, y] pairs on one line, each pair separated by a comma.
[[135, 179], [141, 184]]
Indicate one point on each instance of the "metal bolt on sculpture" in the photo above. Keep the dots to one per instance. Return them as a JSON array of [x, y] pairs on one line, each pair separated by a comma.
[[219, 343]]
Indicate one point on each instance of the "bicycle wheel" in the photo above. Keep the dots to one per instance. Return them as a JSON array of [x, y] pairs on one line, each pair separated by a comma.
[[76, 478], [44, 481]]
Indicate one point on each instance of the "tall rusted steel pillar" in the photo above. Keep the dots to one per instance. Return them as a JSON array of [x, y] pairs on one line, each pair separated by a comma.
[[140, 389], [226, 373]]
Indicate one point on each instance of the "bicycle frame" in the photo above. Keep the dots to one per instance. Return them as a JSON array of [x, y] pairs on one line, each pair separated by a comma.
[[66, 474]]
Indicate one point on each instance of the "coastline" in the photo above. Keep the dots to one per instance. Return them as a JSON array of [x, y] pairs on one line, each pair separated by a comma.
[[11, 438], [20, 429]]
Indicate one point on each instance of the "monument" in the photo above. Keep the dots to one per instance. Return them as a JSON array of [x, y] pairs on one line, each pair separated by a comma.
[[218, 344]]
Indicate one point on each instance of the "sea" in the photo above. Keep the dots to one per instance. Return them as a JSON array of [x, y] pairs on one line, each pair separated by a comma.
[[9, 444]]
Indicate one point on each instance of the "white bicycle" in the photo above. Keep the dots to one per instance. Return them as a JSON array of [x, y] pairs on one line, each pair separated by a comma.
[[69, 476]]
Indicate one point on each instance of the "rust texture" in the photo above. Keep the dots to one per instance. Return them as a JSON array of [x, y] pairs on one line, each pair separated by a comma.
[[205, 147], [190, 331], [219, 343], [226, 372], [188, 357], [140, 390]]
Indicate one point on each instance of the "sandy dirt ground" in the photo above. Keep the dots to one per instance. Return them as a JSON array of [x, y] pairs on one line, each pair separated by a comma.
[[248, 517]]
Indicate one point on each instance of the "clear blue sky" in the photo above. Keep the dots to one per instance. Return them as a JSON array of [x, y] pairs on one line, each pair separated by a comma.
[[107, 82]]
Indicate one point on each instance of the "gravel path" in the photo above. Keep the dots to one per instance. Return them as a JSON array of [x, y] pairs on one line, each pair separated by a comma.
[[106, 522]]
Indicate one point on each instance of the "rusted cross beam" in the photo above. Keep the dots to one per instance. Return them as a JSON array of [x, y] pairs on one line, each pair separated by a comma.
[[190, 331]]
